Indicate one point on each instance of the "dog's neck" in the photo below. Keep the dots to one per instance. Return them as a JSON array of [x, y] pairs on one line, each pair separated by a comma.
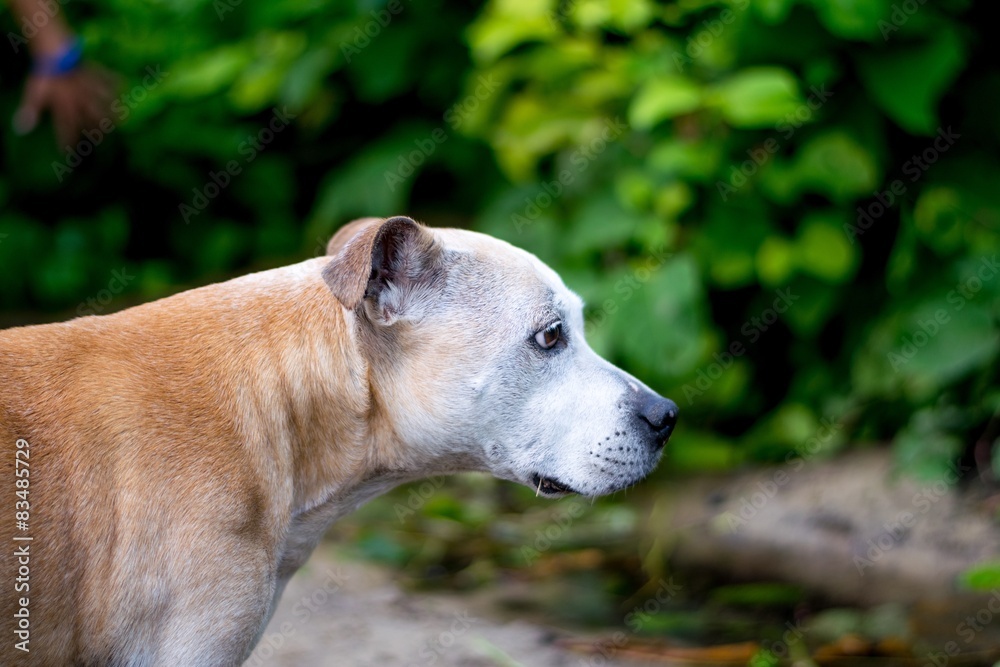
[[313, 408], [313, 404]]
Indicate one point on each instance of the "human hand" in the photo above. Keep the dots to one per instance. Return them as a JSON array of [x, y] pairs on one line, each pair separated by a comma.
[[78, 100]]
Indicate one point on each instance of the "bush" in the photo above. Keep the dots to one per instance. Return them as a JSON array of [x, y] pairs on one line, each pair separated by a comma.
[[781, 213]]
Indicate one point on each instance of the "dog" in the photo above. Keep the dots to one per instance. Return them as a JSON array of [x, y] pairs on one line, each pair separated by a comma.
[[176, 462]]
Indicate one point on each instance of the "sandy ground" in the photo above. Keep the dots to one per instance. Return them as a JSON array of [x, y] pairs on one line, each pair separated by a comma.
[[342, 613]]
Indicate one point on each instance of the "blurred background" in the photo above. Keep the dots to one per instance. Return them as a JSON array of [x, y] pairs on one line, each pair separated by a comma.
[[783, 214]]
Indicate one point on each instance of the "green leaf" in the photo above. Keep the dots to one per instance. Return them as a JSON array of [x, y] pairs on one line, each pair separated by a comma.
[[937, 343], [531, 129], [908, 82], [823, 249], [624, 15], [853, 19], [810, 312], [634, 189], [790, 426], [662, 98], [938, 219], [673, 199], [655, 311], [756, 97], [757, 595], [305, 77], [764, 658], [925, 448], [775, 260], [508, 23], [730, 241], [773, 11], [837, 165], [511, 217], [600, 224], [209, 72], [693, 160], [258, 85], [630, 15], [981, 577]]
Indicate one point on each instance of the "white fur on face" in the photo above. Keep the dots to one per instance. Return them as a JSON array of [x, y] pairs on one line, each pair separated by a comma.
[[495, 397]]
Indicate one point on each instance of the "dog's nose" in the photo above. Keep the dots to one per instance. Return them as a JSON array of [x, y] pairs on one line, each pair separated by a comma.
[[661, 414]]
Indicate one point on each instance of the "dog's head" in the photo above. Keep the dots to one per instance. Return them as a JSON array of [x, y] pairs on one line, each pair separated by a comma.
[[477, 359]]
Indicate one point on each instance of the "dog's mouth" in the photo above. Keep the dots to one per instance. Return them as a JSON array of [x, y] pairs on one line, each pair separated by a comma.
[[549, 486]]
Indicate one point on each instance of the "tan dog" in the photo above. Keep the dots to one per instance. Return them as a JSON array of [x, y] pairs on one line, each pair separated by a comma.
[[184, 457]]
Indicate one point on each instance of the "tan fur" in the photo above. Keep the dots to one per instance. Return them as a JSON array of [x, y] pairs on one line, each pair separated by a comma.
[[347, 232], [185, 434]]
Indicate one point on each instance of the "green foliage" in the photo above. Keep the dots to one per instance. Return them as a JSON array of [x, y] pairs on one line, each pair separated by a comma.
[[740, 190], [757, 595], [983, 577], [765, 139]]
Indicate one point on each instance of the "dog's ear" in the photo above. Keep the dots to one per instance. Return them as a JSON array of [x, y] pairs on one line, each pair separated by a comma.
[[383, 265], [347, 232]]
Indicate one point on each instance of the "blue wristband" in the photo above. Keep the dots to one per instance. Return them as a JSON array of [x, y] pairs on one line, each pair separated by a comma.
[[63, 62]]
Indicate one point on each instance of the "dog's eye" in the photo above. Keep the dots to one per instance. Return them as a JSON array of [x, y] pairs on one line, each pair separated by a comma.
[[549, 336]]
